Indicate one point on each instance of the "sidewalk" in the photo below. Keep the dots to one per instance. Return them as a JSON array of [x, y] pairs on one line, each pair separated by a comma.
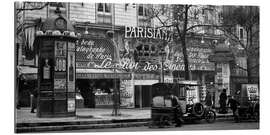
[[87, 118], [24, 116]]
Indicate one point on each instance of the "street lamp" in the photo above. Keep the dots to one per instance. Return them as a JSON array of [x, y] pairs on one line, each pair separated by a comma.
[[162, 53]]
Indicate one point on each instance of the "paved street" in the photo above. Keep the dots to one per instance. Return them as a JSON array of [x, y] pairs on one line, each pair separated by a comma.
[[220, 125]]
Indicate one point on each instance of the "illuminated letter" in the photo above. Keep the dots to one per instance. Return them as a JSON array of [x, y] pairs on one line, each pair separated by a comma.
[[127, 29]]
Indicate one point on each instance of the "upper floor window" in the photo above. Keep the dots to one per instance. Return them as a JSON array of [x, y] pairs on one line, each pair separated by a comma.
[[104, 13], [241, 33], [142, 11], [54, 5], [104, 7]]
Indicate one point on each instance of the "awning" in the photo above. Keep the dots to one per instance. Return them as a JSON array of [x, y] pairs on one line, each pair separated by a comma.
[[27, 73], [101, 74], [30, 73]]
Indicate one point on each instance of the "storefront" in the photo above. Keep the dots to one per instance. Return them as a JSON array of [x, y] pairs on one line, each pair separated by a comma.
[[98, 73], [26, 83]]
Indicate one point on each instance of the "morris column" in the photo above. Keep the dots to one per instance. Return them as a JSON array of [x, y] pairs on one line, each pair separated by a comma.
[[56, 67]]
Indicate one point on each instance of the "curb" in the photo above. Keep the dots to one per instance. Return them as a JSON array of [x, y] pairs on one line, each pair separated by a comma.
[[99, 124]]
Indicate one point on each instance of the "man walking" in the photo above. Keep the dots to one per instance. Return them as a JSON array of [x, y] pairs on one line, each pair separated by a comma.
[[208, 100], [233, 105], [222, 101], [33, 98]]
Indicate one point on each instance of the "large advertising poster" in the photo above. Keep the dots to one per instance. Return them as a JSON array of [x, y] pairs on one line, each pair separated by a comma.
[[60, 66], [127, 93], [71, 67]]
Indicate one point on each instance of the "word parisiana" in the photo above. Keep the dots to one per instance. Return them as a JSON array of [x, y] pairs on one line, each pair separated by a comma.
[[146, 32]]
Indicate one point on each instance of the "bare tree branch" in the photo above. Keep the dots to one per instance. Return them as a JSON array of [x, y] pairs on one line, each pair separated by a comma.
[[30, 9]]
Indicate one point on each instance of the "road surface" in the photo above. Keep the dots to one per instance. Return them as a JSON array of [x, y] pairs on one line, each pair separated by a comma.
[[220, 125]]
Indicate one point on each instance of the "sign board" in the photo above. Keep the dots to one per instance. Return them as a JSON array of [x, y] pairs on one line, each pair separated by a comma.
[[127, 93], [71, 105], [146, 32], [94, 52], [252, 91]]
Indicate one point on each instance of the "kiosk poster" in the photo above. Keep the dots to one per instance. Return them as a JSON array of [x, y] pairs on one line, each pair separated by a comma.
[[71, 67], [59, 83], [71, 105], [60, 48]]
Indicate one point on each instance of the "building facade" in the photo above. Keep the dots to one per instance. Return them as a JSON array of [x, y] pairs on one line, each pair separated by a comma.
[[120, 48]]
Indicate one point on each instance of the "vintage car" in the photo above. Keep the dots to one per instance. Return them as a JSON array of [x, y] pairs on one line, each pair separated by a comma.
[[163, 113]]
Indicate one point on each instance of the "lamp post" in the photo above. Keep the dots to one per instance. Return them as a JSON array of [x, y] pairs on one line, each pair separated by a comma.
[[162, 54]]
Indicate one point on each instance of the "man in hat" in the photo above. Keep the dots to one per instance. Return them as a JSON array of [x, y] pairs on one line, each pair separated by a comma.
[[208, 99], [222, 101], [177, 110]]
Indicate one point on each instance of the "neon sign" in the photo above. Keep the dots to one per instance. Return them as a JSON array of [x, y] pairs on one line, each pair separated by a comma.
[[140, 32]]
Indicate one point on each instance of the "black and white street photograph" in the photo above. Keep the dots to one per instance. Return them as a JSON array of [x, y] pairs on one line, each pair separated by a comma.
[[104, 66]]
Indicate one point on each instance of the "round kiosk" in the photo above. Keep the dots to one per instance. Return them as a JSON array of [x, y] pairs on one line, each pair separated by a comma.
[[56, 67]]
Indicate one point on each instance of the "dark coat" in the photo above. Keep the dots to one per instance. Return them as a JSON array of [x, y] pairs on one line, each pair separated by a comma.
[[233, 104], [223, 97], [208, 99]]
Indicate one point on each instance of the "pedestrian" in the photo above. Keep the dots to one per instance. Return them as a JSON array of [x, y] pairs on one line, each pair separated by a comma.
[[33, 98], [233, 105], [222, 101], [177, 110], [208, 100]]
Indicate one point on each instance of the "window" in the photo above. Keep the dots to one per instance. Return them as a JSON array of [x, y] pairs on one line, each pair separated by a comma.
[[104, 13], [142, 11], [142, 16], [104, 7], [241, 33], [54, 5], [100, 7]]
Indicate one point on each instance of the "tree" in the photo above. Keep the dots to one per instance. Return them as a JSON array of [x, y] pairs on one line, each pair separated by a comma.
[[248, 18], [184, 20]]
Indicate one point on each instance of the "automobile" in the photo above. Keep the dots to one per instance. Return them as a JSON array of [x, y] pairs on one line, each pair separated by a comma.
[[164, 114]]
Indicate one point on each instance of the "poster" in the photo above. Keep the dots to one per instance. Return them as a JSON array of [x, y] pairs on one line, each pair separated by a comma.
[[127, 93], [59, 83], [252, 91], [71, 67], [60, 49], [192, 94], [71, 105]]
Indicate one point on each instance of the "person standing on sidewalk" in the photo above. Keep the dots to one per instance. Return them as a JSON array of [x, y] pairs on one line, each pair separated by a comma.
[[177, 110], [222, 101], [33, 98], [208, 100], [233, 105]]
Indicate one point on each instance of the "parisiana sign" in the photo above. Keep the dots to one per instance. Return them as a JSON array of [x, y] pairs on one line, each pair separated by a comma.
[[147, 32]]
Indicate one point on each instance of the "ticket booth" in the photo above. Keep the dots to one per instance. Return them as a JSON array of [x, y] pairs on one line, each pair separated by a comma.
[[56, 68]]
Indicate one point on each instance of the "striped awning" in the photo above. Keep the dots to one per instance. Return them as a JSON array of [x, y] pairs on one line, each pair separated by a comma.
[[101, 74], [27, 73]]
